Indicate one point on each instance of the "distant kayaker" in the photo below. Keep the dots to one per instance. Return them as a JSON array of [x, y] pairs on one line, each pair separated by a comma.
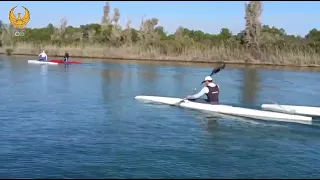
[[210, 89], [43, 56], [66, 57]]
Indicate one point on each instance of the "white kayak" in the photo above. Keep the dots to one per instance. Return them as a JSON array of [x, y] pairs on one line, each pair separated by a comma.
[[299, 110], [41, 62], [226, 109]]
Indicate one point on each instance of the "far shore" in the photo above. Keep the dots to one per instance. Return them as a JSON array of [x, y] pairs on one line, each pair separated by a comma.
[[257, 44], [181, 63], [172, 59], [215, 54]]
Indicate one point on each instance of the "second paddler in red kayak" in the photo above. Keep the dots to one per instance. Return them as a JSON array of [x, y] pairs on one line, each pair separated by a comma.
[[66, 57], [65, 60]]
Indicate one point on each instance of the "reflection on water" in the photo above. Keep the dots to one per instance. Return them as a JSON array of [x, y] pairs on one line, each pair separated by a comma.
[[66, 66], [250, 86], [112, 79], [44, 70], [17, 72], [44, 79], [152, 74], [211, 124]]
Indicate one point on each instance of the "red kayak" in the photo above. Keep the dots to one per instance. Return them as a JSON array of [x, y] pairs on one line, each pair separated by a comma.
[[59, 61]]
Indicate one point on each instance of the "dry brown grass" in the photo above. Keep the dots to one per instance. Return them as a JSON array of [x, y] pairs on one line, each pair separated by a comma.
[[252, 46], [221, 53]]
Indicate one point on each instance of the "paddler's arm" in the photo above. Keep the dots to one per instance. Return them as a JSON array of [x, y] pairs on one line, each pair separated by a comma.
[[203, 91]]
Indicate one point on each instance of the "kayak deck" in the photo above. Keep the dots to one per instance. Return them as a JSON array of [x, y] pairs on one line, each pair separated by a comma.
[[226, 109], [41, 62], [299, 110], [59, 61]]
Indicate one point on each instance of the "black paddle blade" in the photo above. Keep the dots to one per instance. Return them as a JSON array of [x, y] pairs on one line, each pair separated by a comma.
[[216, 70]]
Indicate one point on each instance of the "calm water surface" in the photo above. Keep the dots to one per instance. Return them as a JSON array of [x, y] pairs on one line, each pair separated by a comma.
[[82, 121]]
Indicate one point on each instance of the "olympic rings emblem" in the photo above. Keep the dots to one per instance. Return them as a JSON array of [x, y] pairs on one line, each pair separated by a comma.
[[20, 33]]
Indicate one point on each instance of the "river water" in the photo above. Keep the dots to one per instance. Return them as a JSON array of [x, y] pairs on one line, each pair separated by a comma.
[[82, 121]]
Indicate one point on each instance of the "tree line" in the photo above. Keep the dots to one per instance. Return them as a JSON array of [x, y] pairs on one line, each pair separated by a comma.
[[257, 42]]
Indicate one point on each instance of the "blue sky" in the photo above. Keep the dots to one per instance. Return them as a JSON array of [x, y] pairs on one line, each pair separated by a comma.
[[295, 17]]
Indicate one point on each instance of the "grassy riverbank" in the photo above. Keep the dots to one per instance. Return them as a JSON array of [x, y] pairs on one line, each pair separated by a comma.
[[256, 44], [219, 53]]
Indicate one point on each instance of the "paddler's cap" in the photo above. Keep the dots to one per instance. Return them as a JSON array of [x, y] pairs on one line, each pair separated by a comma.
[[207, 78]]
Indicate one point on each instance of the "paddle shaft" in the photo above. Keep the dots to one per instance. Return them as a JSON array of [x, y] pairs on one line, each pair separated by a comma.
[[179, 102]]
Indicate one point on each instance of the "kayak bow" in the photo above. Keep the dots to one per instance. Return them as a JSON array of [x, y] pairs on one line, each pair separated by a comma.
[[289, 109], [41, 62]]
